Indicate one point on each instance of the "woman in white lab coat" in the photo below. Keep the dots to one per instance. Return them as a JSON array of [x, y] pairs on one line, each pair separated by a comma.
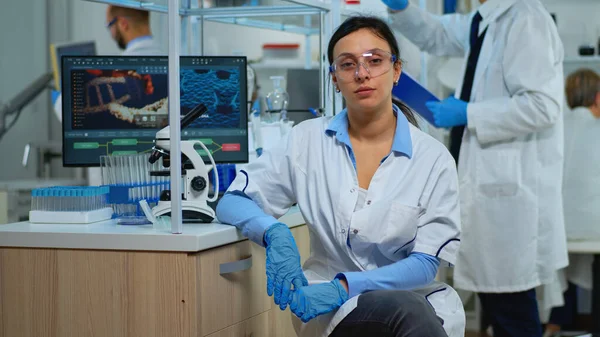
[[581, 181], [379, 197]]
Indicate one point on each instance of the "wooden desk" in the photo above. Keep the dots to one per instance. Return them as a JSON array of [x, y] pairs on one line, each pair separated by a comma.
[[591, 247], [106, 280]]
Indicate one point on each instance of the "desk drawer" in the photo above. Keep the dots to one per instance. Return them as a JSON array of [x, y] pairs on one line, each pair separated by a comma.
[[232, 285], [257, 326]]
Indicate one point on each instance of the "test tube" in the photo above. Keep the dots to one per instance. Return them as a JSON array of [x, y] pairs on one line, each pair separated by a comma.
[[78, 199], [94, 197], [71, 200], [33, 200], [104, 169], [84, 200], [51, 205], [57, 195]]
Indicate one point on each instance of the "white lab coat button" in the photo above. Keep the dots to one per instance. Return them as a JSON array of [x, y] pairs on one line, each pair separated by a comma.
[[352, 190], [343, 231], [356, 231]]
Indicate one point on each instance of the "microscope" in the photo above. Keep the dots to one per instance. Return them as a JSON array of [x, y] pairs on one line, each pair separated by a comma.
[[195, 198]]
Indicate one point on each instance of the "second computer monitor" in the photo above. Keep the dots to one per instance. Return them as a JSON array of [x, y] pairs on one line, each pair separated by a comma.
[[58, 50], [115, 105]]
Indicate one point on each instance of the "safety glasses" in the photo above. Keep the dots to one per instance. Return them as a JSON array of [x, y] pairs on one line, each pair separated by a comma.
[[376, 62], [112, 22]]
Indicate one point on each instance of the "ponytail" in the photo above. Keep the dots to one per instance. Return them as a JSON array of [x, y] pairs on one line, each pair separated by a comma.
[[408, 112]]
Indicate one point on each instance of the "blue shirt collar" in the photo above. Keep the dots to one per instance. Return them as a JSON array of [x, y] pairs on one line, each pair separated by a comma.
[[402, 143], [139, 39]]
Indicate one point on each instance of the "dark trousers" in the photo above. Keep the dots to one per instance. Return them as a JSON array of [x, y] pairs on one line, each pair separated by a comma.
[[565, 316], [512, 314], [391, 313]]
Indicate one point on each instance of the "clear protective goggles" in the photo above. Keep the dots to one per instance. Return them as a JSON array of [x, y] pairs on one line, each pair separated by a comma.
[[376, 63]]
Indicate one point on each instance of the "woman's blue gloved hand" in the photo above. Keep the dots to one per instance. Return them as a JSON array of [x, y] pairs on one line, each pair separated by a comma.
[[283, 264], [396, 5], [317, 299]]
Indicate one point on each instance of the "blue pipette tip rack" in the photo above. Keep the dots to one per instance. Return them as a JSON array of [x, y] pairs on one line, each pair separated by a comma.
[[70, 205]]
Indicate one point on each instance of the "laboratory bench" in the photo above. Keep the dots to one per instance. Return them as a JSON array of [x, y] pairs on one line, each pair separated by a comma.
[[105, 279]]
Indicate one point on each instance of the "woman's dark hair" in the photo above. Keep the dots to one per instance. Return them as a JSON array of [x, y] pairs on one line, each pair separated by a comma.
[[382, 30], [406, 110]]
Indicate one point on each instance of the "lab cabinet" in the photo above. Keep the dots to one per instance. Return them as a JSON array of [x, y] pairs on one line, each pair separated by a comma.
[[57, 292]]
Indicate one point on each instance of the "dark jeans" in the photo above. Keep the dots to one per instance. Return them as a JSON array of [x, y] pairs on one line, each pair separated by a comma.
[[512, 314], [391, 313]]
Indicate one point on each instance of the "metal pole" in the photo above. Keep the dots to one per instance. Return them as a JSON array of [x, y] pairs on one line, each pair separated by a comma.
[[307, 51], [336, 21], [322, 53], [596, 294], [201, 35], [424, 57], [185, 29], [174, 116]]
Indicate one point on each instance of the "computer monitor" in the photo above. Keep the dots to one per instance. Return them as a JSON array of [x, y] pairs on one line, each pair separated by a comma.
[[58, 50], [303, 88], [114, 105]]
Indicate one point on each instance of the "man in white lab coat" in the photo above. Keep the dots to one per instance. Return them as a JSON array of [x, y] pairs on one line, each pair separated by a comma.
[[511, 158], [130, 28]]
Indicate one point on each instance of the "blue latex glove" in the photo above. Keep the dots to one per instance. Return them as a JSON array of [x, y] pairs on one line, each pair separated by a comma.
[[449, 112], [283, 264], [396, 5], [318, 299], [55, 96]]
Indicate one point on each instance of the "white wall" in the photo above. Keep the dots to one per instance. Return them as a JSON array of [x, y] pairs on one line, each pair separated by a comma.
[[23, 57], [578, 23]]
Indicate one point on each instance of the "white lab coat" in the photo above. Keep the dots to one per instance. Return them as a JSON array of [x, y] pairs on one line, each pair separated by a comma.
[[143, 46], [581, 188], [412, 205], [511, 160]]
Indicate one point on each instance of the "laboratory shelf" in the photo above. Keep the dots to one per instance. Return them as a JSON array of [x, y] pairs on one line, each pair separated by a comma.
[[293, 16], [298, 20], [583, 59], [313, 3]]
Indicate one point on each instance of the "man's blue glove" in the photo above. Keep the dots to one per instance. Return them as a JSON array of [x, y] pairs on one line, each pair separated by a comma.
[[449, 112], [318, 299], [396, 5], [283, 264]]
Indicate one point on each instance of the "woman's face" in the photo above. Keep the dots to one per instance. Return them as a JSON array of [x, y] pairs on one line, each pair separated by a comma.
[[365, 90]]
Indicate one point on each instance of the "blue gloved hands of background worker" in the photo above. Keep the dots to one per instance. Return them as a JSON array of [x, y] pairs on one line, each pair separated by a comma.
[[396, 5], [317, 299], [449, 112], [283, 264]]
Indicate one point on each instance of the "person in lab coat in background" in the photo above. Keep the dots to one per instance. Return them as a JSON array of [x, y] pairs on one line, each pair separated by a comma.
[[380, 199], [509, 114], [130, 28], [581, 186]]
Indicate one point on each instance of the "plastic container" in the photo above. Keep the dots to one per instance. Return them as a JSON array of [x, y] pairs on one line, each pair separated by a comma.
[[227, 174], [276, 102], [281, 50]]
